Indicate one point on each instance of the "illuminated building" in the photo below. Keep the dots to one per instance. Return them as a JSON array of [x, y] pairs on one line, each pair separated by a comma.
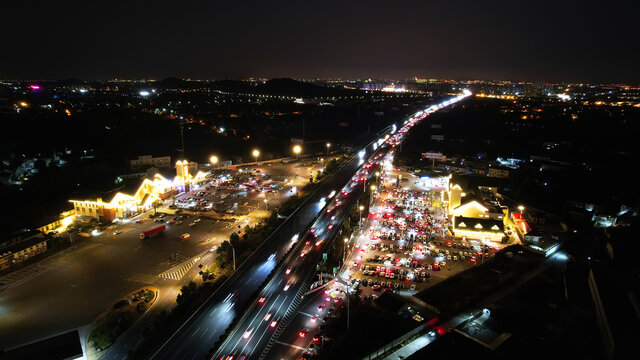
[[478, 214], [184, 179], [65, 219], [22, 250], [123, 205]]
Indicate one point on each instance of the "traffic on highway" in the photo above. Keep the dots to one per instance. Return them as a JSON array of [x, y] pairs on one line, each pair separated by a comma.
[[266, 318]]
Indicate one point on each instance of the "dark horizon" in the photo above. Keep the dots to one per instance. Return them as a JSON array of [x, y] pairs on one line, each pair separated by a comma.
[[543, 41]]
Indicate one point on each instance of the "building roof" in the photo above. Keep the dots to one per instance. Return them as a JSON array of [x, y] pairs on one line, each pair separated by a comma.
[[474, 224], [23, 244]]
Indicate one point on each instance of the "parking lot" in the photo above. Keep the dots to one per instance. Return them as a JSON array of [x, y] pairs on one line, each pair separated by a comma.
[[404, 244], [239, 192]]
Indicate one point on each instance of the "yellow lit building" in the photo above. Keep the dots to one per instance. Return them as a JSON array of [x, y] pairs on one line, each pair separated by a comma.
[[22, 250], [124, 205], [477, 215], [184, 177], [64, 220]]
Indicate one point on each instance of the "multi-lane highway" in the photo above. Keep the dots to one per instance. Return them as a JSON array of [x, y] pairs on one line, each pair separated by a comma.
[[200, 332], [268, 316]]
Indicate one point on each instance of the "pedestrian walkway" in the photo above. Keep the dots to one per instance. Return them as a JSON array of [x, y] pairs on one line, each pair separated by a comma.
[[143, 278], [21, 276], [177, 272]]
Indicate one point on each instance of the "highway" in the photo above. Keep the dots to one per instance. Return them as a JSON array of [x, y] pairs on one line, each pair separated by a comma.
[[269, 314], [200, 332]]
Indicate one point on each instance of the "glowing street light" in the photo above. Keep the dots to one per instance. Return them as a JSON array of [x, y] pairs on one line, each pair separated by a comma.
[[360, 214], [328, 146], [344, 249], [521, 208], [256, 153], [296, 150], [214, 160]]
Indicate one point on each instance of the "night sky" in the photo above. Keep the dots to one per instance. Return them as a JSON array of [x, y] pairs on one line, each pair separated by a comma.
[[540, 40]]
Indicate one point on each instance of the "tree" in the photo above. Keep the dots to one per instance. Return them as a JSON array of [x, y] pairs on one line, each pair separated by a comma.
[[331, 166], [234, 240]]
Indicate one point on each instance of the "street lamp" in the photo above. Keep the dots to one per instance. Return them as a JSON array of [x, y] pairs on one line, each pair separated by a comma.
[[521, 208], [344, 249], [328, 146], [360, 214], [266, 204], [214, 160], [296, 150], [233, 250], [256, 153]]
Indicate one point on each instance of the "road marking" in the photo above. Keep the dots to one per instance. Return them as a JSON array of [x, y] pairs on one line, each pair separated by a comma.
[[304, 313], [290, 345], [195, 332], [204, 332]]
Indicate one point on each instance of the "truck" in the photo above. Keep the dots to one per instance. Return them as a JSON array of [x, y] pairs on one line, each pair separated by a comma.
[[152, 231]]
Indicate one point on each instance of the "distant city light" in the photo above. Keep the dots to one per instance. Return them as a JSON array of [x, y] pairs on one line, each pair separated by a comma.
[[143, 93], [34, 87]]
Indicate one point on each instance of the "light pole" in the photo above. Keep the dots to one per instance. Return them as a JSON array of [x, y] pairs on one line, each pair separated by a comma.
[[360, 215], [266, 203], [233, 251], [344, 249], [256, 153], [214, 160], [373, 189], [328, 146], [296, 150]]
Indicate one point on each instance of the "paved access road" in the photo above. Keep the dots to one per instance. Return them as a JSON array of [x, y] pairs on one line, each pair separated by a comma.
[[69, 289]]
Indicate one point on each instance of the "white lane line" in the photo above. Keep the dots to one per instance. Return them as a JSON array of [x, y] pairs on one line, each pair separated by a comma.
[[290, 345], [195, 332], [257, 326], [204, 332], [265, 331], [304, 313], [251, 322]]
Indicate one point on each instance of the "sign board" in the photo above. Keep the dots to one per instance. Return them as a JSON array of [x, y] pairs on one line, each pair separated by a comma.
[[324, 256], [432, 155], [335, 270]]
